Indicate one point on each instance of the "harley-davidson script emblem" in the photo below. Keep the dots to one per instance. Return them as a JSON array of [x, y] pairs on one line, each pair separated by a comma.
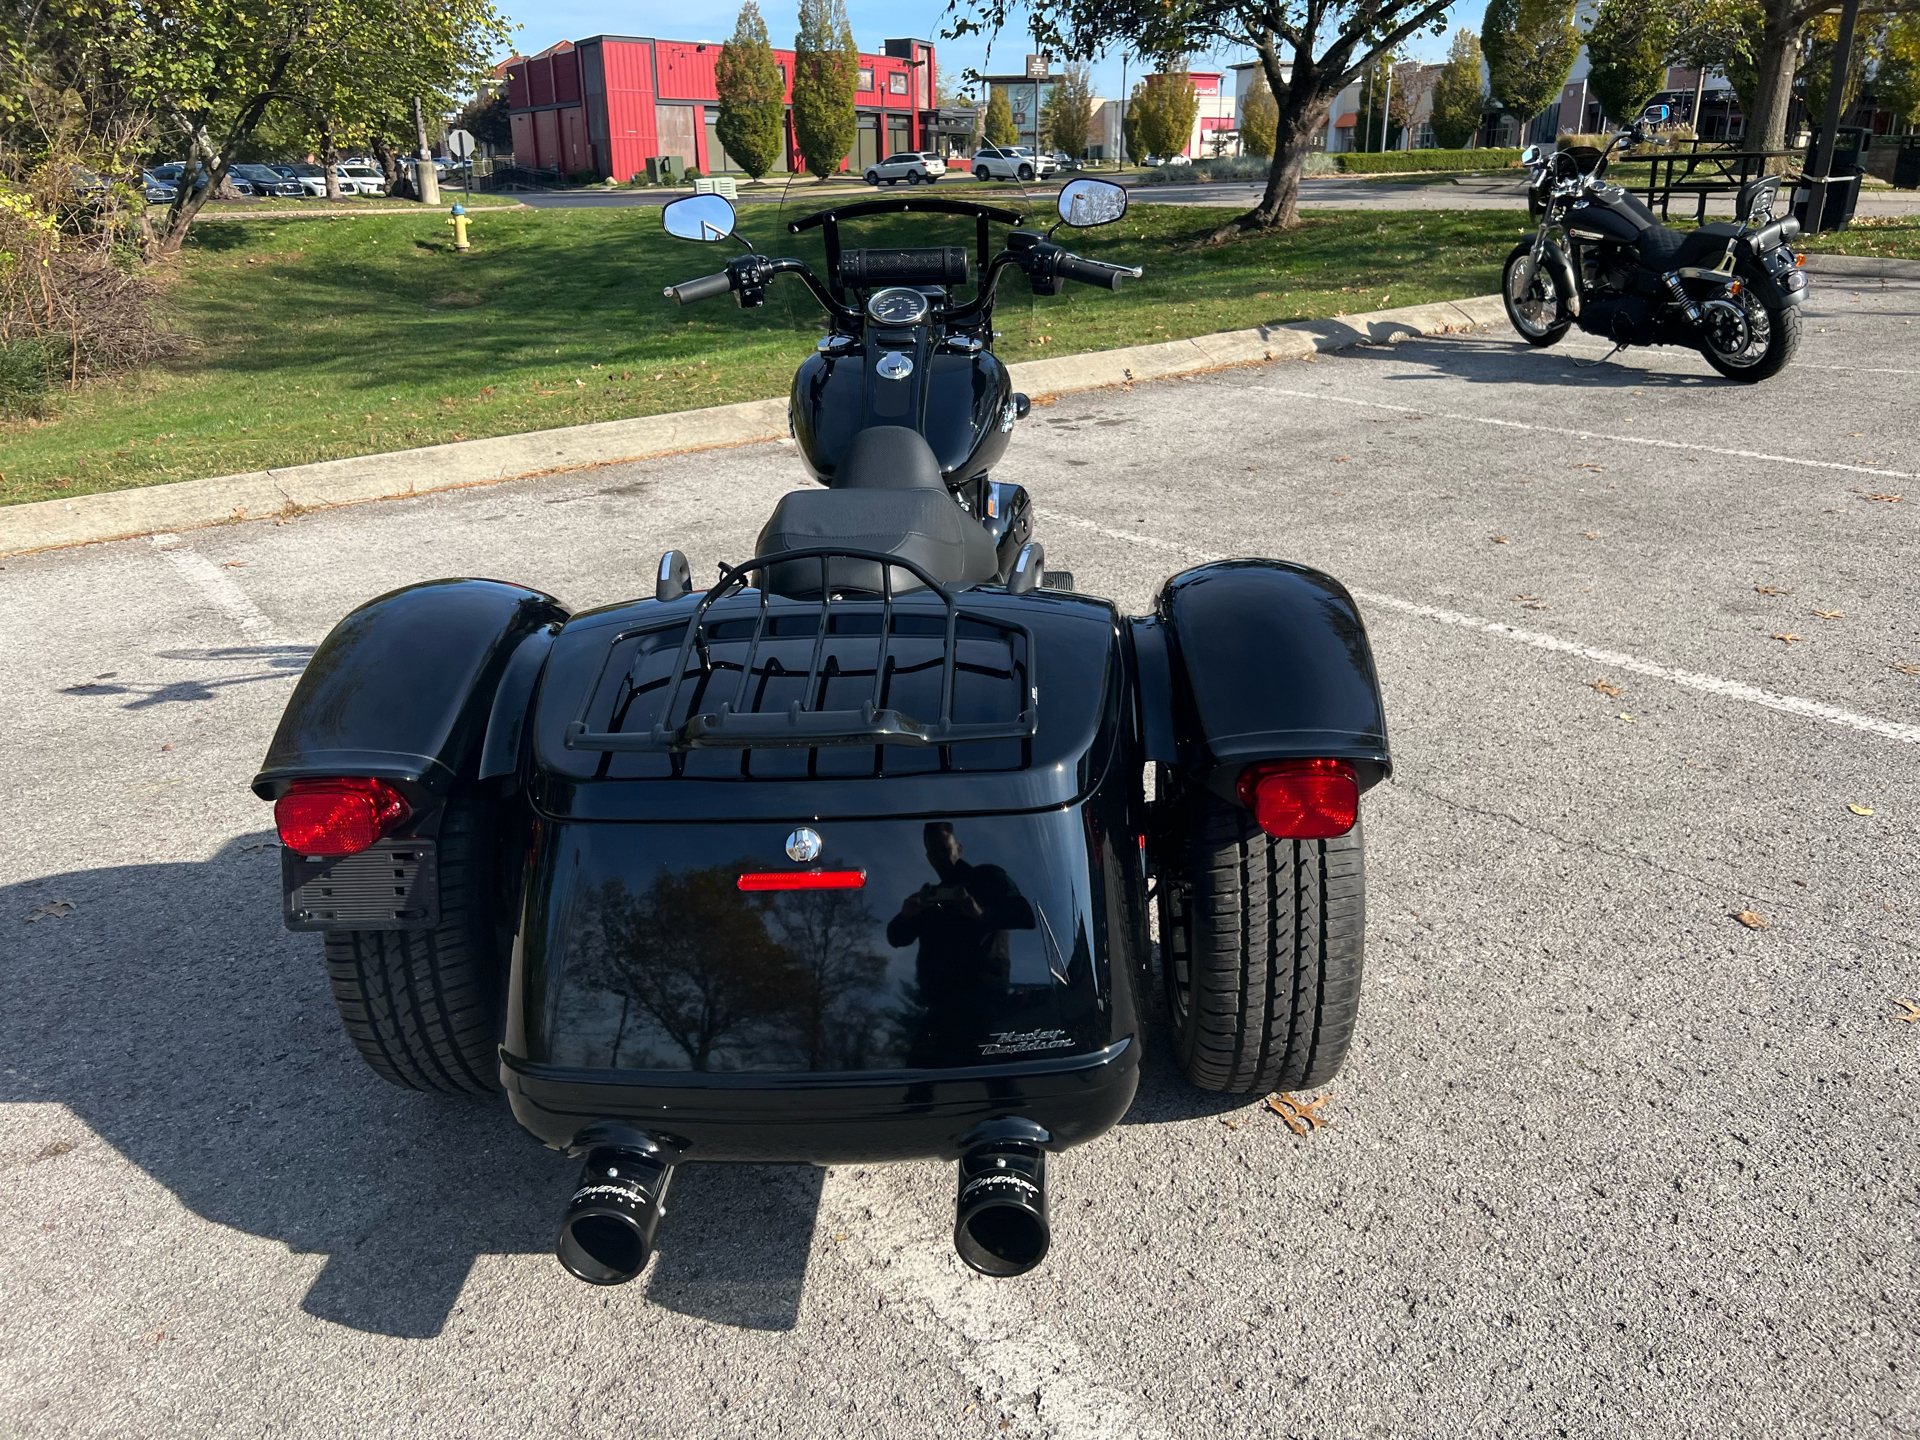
[[1018, 1042]]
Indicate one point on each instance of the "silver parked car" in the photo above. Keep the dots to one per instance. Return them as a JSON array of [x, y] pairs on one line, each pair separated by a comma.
[[1009, 162], [916, 167]]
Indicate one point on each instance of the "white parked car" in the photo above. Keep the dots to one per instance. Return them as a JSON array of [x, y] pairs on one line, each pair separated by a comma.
[[361, 180], [1009, 162], [916, 167]]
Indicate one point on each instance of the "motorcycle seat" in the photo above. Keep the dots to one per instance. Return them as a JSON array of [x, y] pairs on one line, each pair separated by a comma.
[[888, 457], [1665, 249], [921, 524]]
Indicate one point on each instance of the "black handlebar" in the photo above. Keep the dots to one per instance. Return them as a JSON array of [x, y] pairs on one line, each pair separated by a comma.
[[705, 288], [1093, 272]]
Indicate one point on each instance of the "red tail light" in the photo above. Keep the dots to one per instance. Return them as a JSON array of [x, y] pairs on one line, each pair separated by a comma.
[[337, 817], [803, 880], [1302, 799]]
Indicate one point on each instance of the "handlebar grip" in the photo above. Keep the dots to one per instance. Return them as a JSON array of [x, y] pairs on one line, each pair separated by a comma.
[[705, 288], [1093, 272]]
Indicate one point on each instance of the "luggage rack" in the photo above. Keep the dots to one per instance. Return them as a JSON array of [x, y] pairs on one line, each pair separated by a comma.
[[734, 724]]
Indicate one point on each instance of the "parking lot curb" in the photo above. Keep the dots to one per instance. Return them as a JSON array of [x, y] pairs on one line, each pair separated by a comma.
[[296, 489], [1884, 267]]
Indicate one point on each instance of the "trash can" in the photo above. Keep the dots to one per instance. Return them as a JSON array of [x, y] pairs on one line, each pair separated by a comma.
[[1906, 164], [1843, 193], [1850, 142]]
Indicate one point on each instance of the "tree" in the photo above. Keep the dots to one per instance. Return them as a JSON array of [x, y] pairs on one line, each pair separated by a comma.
[[1713, 35], [752, 99], [1816, 65], [1000, 127], [1067, 117], [1530, 47], [1259, 120], [1166, 106], [1627, 51], [1776, 29], [488, 118], [1896, 84], [826, 68], [1458, 101], [1331, 44]]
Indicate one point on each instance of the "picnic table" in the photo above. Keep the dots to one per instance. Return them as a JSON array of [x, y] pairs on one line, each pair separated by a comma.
[[1703, 173]]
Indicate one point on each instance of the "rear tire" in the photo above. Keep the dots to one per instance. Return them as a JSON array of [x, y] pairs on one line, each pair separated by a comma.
[[1026, 172], [424, 1007], [1782, 339], [913, 177], [982, 174], [1261, 950], [1544, 313]]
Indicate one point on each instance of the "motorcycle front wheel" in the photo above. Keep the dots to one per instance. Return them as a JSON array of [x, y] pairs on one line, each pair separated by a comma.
[[1754, 346], [1542, 314]]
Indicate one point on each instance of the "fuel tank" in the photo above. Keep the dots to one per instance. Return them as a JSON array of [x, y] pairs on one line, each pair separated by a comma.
[[1609, 214], [960, 402]]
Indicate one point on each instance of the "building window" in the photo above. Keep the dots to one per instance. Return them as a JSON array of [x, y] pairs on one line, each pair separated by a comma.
[[897, 83], [866, 77]]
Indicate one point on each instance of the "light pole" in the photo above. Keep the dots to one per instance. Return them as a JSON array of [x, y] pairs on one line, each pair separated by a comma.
[[1820, 163]]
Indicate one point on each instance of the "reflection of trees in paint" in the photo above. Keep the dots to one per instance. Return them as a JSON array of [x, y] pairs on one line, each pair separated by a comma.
[[739, 981]]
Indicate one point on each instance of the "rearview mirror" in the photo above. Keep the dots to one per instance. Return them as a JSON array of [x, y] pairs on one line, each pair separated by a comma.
[[1530, 155], [1085, 203], [1656, 114], [699, 217]]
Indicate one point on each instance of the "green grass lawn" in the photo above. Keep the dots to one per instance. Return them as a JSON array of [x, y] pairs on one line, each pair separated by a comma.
[[328, 338], [1891, 237]]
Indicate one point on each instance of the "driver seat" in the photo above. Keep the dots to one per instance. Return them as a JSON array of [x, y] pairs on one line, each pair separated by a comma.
[[887, 496]]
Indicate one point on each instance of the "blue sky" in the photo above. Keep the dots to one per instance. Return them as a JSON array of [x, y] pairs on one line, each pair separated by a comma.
[[544, 22]]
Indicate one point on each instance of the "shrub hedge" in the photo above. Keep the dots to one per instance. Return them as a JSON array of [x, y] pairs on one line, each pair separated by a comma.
[[1401, 162]]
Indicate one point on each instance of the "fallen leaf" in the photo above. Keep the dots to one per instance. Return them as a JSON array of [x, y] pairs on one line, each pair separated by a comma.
[[1341, 459], [1906, 667], [1301, 1116], [52, 910], [233, 564], [1857, 434], [1830, 614], [1231, 1124], [165, 748], [1786, 639], [1605, 687], [1890, 499], [1861, 809], [1770, 590], [1912, 1012], [1499, 539], [1752, 921], [1628, 718], [1591, 534]]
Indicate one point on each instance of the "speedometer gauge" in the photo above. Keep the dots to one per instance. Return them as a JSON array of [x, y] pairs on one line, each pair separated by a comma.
[[897, 306]]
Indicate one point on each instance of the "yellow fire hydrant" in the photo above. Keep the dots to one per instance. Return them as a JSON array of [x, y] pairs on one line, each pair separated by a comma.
[[459, 224]]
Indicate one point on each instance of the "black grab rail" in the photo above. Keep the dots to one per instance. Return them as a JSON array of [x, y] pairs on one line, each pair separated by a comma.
[[734, 723]]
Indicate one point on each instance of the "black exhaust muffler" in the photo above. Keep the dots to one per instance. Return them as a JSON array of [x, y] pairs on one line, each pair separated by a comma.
[[1000, 1219], [606, 1231]]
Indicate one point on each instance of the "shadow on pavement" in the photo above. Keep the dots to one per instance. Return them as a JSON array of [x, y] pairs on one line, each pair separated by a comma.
[[172, 1014], [1506, 360]]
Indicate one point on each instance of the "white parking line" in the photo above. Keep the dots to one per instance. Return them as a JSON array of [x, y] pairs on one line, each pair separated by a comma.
[[988, 1328], [217, 587], [1687, 679], [1686, 446]]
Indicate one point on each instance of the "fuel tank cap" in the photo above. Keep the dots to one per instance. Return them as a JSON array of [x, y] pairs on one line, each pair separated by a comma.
[[803, 845], [894, 366]]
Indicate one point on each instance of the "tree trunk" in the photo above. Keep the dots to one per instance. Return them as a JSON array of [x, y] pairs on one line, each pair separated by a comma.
[[395, 183], [426, 180], [329, 159], [1303, 115], [1773, 88]]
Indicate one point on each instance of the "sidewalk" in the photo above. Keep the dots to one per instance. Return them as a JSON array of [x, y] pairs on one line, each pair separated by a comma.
[[186, 504]]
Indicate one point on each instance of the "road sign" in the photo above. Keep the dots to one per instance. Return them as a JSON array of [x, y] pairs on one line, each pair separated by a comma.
[[459, 144]]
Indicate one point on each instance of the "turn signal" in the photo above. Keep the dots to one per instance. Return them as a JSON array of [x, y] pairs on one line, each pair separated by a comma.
[[803, 880], [1302, 799], [337, 817]]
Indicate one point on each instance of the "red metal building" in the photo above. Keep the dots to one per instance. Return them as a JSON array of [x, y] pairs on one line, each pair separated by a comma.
[[610, 103]]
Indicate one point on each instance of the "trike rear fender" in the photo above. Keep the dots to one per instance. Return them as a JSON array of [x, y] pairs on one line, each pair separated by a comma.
[[1246, 660], [404, 687]]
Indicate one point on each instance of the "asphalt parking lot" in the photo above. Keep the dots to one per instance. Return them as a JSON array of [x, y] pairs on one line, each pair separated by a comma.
[[1606, 1160]]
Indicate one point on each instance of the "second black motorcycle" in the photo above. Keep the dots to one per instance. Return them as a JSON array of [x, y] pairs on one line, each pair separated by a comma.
[[1600, 260]]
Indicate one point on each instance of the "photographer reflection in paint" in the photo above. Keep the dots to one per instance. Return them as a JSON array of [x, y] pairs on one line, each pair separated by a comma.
[[962, 924]]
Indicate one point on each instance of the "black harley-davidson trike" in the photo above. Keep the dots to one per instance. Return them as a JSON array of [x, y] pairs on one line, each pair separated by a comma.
[[1601, 261], [849, 856]]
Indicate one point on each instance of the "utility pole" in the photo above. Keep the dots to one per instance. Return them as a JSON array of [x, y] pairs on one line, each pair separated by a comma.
[[1820, 164], [1387, 109], [426, 180]]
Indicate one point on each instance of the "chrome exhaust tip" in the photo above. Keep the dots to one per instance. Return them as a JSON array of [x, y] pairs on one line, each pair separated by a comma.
[[1000, 1216], [606, 1231]]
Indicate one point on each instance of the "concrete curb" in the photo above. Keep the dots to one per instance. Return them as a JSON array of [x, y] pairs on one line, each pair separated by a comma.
[[223, 499], [1865, 266]]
